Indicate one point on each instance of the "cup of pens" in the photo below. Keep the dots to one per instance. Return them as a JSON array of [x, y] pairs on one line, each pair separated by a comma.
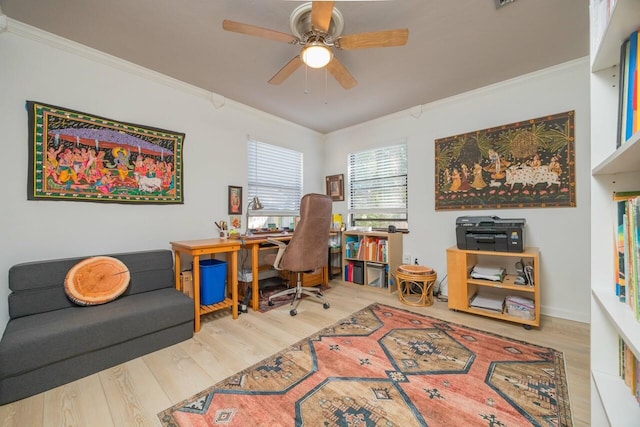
[[223, 229]]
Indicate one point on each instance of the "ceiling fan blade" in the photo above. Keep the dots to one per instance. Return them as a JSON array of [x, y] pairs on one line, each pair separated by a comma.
[[321, 12], [252, 30], [341, 74], [386, 38], [286, 71]]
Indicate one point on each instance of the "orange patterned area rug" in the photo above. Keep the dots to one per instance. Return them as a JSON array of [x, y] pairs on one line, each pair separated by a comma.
[[384, 366]]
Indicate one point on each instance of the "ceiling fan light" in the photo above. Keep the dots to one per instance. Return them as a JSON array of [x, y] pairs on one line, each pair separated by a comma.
[[316, 55]]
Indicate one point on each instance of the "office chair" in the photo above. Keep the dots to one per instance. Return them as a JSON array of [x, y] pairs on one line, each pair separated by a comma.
[[307, 249]]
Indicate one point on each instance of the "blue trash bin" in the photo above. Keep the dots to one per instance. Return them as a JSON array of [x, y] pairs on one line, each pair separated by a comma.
[[213, 276]]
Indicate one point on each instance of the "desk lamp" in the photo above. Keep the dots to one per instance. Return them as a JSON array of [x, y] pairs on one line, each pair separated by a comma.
[[254, 205]]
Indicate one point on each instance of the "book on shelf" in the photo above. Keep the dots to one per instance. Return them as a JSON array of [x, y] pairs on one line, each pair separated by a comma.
[[621, 137], [629, 368], [627, 238], [372, 249], [336, 221], [621, 206], [628, 96], [354, 272], [352, 246]]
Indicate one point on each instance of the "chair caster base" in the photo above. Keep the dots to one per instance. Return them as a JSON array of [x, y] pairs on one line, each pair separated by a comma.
[[293, 312], [326, 305]]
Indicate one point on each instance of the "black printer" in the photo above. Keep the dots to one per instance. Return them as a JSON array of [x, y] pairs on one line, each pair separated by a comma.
[[490, 233]]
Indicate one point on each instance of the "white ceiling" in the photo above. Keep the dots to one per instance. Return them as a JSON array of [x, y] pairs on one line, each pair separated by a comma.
[[454, 46]]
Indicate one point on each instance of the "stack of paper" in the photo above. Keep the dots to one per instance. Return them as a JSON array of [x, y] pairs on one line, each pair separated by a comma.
[[523, 308], [520, 301], [487, 301], [488, 273]]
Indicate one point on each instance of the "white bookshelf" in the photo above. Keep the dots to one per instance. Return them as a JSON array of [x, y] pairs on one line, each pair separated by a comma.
[[612, 170], [623, 19]]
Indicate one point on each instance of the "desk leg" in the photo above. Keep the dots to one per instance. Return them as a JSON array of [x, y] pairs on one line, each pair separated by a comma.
[[196, 292], [177, 268], [255, 284], [232, 258]]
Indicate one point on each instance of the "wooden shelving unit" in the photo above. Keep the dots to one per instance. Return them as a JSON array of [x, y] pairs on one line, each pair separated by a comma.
[[462, 288], [612, 402], [335, 253], [372, 263]]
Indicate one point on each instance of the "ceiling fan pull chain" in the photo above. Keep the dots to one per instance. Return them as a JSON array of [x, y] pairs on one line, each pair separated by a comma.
[[306, 80], [326, 85]]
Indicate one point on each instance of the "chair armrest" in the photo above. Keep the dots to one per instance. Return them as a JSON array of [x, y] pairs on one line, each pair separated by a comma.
[[282, 246]]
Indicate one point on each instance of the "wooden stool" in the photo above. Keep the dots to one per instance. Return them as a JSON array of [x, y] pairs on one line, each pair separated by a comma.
[[415, 285]]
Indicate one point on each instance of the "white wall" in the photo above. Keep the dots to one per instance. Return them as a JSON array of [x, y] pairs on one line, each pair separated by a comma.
[[41, 67], [562, 234], [38, 66]]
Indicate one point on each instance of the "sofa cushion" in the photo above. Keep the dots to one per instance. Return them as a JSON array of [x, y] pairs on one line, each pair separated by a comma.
[[39, 340], [39, 286], [96, 280]]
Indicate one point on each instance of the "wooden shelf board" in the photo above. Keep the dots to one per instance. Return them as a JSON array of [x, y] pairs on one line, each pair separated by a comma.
[[226, 303], [620, 405], [507, 283], [501, 316]]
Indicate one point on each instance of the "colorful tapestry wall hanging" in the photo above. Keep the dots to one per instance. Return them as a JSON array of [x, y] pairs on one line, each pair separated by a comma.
[[79, 156], [525, 164]]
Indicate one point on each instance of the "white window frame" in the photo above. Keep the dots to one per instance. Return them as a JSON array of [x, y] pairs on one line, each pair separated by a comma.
[[275, 175], [378, 186]]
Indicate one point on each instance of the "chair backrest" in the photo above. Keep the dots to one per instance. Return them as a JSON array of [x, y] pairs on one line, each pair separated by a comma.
[[307, 249]]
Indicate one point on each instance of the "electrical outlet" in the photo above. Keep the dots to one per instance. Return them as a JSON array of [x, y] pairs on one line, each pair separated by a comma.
[[406, 258]]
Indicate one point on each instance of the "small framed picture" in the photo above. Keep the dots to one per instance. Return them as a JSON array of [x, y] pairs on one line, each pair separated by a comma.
[[235, 200], [335, 187], [236, 221]]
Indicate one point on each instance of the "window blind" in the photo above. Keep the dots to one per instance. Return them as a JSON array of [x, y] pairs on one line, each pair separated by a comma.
[[275, 176], [378, 192]]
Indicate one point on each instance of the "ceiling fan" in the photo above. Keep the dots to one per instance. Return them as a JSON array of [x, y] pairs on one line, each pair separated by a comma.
[[317, 27]]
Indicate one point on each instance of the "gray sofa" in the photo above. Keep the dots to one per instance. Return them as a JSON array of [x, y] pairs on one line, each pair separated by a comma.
[[50, 341]]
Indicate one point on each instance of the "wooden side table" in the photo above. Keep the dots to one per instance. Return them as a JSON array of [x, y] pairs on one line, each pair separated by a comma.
[[195, 248], [415, 285]]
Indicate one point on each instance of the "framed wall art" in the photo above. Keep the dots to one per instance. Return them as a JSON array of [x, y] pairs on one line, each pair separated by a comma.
[[82, 157], [235, 200], [525, 164], [335, 187]]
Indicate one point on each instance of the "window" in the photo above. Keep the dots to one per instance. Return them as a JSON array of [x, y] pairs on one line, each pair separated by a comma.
[[378, 187], [275, 176]]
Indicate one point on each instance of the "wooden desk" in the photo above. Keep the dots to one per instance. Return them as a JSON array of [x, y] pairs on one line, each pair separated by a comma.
[[195, 248], [252, 244]]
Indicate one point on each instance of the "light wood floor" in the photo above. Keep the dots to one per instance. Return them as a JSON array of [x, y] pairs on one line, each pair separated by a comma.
[[134, 392]]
